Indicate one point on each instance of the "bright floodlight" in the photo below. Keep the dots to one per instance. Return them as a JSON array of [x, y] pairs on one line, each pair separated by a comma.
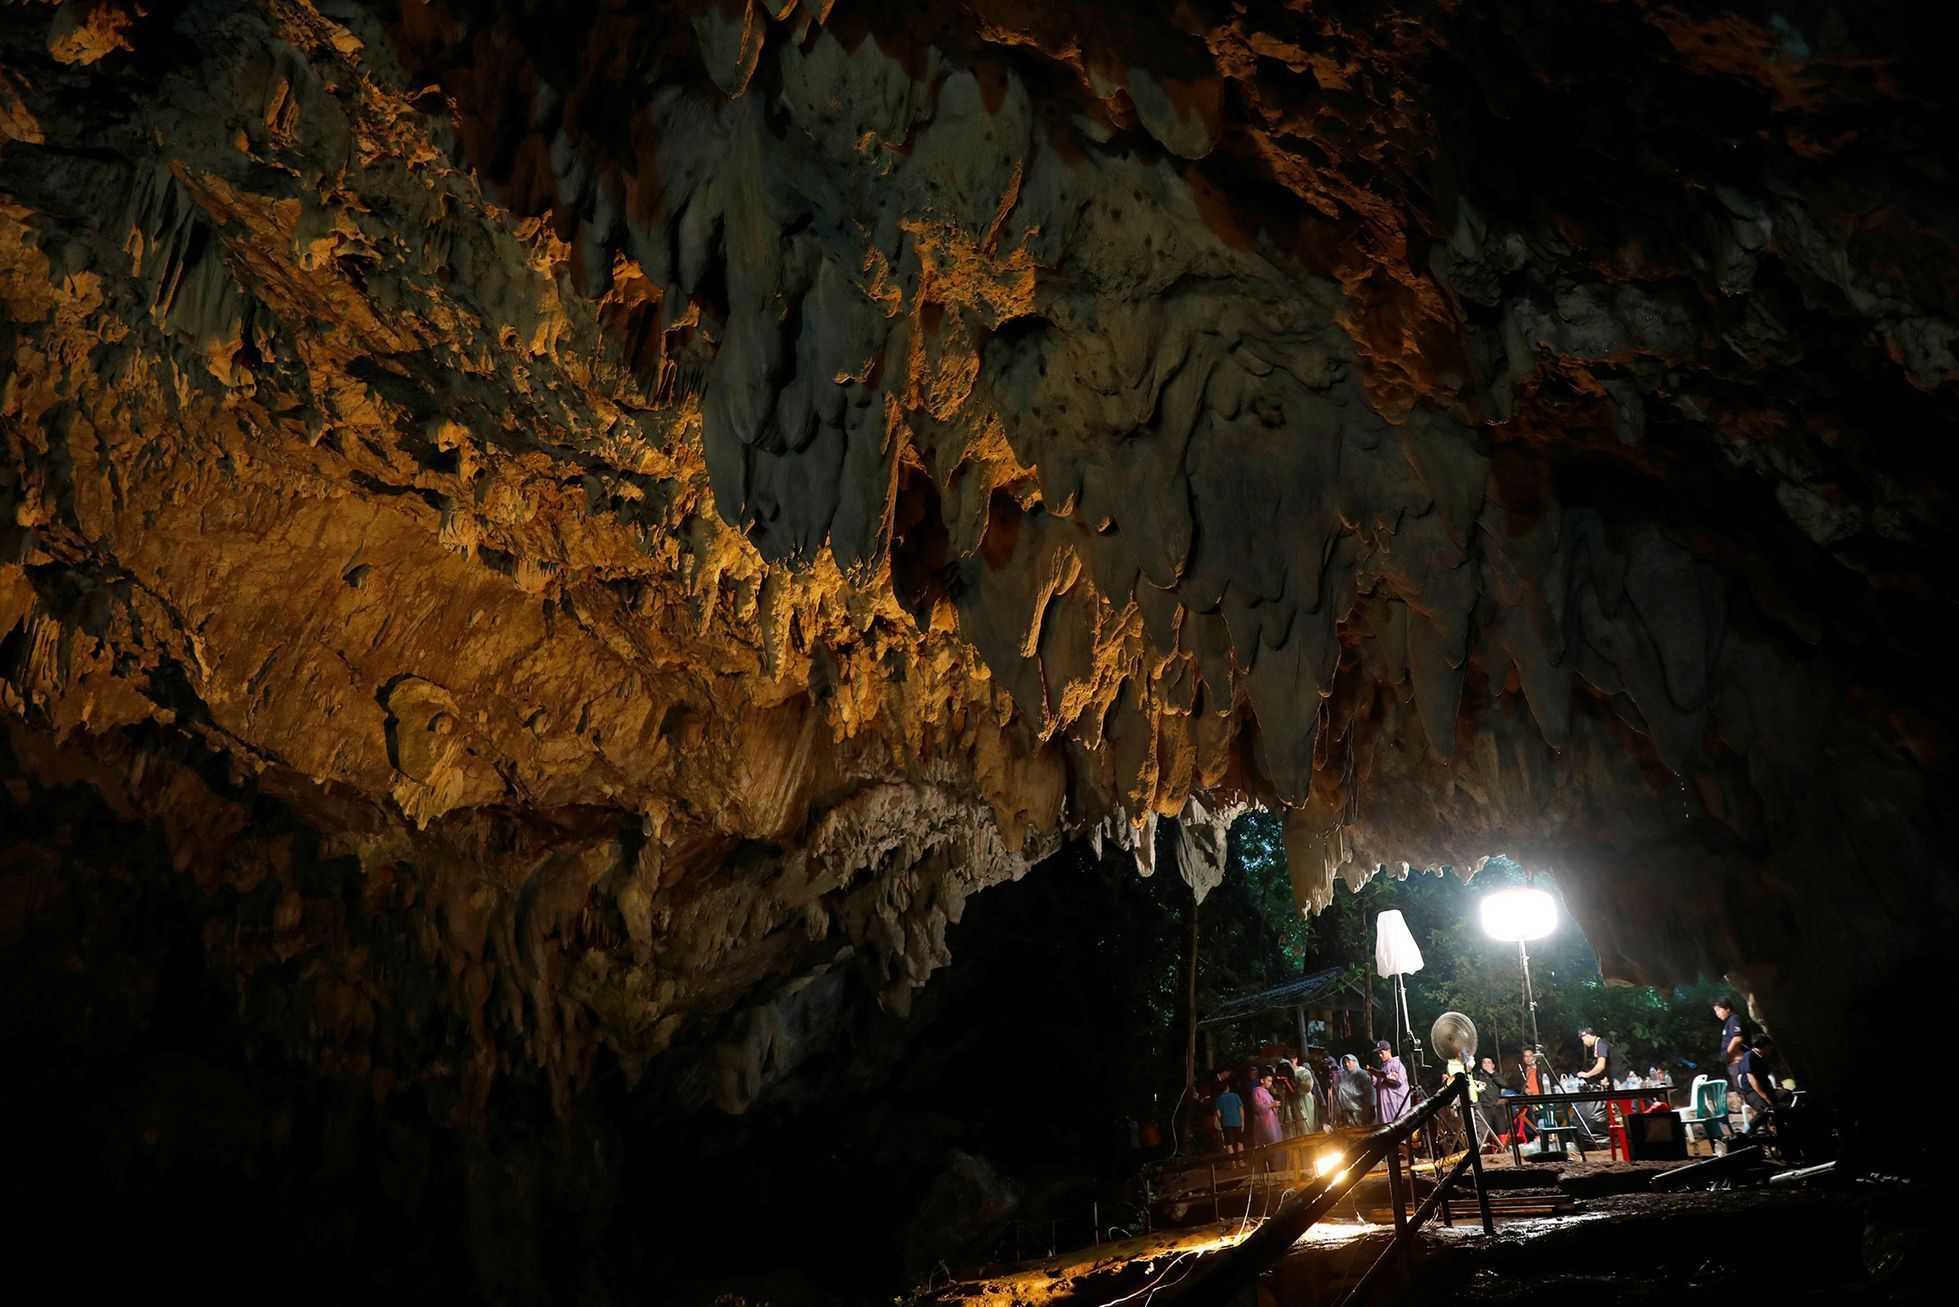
[[1519, 914]]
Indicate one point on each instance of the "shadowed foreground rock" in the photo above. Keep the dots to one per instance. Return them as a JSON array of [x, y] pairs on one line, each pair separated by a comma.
[[566, 541]]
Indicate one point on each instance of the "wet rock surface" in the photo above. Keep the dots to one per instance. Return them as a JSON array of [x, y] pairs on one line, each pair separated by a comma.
[[1844, 1245], [1704, 1247], [558, 545]]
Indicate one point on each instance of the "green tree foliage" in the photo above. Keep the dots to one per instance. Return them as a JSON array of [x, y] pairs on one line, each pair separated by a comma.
[[1464, 970], [1252, 938], [1089, 961]]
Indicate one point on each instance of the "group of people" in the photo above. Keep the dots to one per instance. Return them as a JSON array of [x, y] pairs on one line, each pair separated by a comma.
[[1602, 1068], [1747, 1057], [1255, 1106], [1266, 1102]]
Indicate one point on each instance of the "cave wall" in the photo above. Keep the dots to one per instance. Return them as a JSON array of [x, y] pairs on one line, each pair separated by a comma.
[[665, 503]]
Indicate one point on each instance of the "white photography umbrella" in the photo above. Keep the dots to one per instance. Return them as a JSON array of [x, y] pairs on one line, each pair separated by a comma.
[[1396, 954], [1395, 950]]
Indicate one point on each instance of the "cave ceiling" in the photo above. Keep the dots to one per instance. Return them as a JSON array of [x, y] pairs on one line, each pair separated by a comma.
[[663, 502]]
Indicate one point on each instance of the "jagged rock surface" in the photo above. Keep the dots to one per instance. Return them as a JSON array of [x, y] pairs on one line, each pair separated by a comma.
[[666, 502]]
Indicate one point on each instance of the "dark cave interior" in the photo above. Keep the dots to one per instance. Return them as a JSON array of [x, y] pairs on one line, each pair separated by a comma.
[[617, 621]]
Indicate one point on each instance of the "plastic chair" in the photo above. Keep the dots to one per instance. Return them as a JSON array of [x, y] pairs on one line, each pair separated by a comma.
[[1708, 1110], [1615, 1132], [1551, 1136], [1688, 1114]]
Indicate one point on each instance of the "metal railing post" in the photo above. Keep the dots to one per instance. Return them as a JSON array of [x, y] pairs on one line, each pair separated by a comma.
[[1482, 1190], [1434, 1156], [1469, 1132], [1448, 1215], [1394, 1190], [1476, 1170]]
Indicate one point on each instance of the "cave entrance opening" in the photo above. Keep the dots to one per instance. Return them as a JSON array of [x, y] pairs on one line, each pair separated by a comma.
[[1020, 1085], [1079, 976], [1264, 978]]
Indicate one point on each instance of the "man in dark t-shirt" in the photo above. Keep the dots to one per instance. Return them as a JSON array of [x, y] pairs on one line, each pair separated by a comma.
[[1733, 1043], [1758, 1087], [1231, 1119], [1609, 1063]]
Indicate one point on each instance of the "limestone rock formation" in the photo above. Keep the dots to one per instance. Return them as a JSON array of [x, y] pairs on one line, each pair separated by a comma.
[[617, 520]]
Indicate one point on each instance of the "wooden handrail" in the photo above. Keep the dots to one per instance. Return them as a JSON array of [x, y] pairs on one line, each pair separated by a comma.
[[1312, 1139], [1224, 1273], [1435, 1199]]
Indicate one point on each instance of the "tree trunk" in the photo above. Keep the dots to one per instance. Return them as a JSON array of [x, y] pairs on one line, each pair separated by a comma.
[[1367, 958]]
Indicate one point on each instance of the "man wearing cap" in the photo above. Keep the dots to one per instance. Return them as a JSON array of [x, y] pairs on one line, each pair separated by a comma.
[[1608, 1063], [1390, 1082]]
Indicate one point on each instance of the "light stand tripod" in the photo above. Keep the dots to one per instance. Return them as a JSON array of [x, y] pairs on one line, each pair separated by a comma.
[[1396, 954], [1416, 1070], [1520, 913], [1537, 1048], [1530, 998], [1408, 1027]]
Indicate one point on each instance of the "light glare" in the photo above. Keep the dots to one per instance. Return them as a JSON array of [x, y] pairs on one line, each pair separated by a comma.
[[1519, 914], [1327, 1163]]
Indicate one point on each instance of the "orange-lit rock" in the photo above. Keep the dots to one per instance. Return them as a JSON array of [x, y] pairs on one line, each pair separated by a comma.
[[672, 500]]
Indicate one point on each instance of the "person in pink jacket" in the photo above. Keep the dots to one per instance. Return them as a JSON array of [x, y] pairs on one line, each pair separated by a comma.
[[1265, 1112], [1390, 1082]]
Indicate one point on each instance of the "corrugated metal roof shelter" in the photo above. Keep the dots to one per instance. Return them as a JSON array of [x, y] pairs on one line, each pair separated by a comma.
[[1322, 990]]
